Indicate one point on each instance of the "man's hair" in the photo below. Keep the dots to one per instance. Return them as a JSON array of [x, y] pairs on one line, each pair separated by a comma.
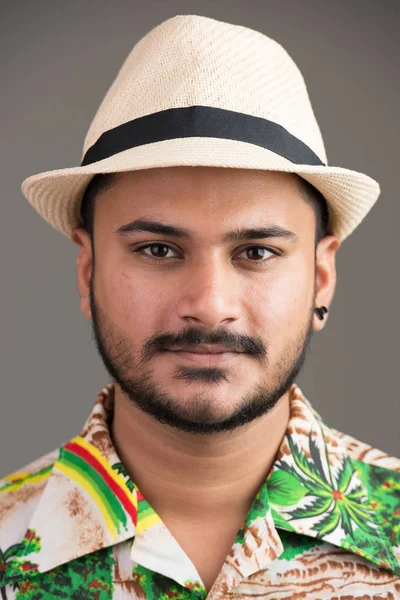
[[102, 181]]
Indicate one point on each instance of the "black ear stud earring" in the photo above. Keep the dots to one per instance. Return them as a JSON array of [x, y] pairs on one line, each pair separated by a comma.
[[321, 312]]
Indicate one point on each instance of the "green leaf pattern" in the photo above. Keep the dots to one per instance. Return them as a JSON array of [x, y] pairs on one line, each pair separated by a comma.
[[325, 502]]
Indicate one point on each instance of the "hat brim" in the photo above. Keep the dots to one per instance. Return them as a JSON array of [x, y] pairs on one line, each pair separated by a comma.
[[57, 194]]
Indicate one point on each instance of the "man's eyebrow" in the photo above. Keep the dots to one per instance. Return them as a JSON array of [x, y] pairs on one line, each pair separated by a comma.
[[148, 225]]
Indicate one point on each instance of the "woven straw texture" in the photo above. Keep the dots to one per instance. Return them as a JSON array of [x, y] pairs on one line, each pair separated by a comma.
[[192, 60]]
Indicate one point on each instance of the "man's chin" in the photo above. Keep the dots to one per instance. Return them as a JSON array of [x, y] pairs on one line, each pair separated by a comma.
[[203, 415], [199, 416]]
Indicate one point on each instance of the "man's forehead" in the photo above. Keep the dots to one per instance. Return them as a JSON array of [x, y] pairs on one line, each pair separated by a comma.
[[163, 201], [248, 193]]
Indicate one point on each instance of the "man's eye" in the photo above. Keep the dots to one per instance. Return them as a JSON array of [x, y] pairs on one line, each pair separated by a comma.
[[252, 248], [158, 246], [252, 255]]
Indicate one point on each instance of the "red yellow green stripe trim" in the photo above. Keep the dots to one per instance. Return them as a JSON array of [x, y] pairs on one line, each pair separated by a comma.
[[84, 469], [147, 516], [84, 464], [113, 479], [81, 480]]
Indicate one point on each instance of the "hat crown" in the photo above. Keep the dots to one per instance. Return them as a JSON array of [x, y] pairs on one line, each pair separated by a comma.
[[191, 60]]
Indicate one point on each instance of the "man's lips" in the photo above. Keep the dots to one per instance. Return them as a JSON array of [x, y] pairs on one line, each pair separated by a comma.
[[204, 356], [204, 349]]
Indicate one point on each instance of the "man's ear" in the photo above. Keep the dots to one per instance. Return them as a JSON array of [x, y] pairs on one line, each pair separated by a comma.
[[325, 275], [84, 266]]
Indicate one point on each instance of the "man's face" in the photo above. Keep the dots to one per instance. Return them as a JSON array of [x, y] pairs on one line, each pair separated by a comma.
[[152, 292]]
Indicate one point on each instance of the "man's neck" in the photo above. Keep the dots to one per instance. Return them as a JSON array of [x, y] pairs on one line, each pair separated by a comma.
[[195, 478]]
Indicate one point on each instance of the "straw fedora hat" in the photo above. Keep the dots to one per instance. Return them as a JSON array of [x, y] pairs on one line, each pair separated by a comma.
[[200, 92]]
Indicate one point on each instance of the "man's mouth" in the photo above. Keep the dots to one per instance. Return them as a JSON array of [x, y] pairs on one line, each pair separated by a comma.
[[210, 355], [204, 349]]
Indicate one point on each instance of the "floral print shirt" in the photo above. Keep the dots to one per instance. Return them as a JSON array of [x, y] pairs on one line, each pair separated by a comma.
[[325, 524]]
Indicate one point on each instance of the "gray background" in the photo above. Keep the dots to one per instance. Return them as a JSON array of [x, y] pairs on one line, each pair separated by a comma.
[[57, 61]]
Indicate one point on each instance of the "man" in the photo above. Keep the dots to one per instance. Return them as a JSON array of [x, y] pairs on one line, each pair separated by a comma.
[[203, 470]]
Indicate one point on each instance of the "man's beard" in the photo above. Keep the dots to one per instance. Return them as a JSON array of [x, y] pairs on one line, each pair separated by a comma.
[[198, 415]]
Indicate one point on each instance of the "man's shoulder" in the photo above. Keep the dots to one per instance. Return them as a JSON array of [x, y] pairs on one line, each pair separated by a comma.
[[380, 474], [37, 464], [367, 454], [30, 474], [378, 470], [20, 492]]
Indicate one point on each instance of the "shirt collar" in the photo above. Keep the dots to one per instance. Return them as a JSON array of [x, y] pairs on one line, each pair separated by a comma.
[[313, 489]]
